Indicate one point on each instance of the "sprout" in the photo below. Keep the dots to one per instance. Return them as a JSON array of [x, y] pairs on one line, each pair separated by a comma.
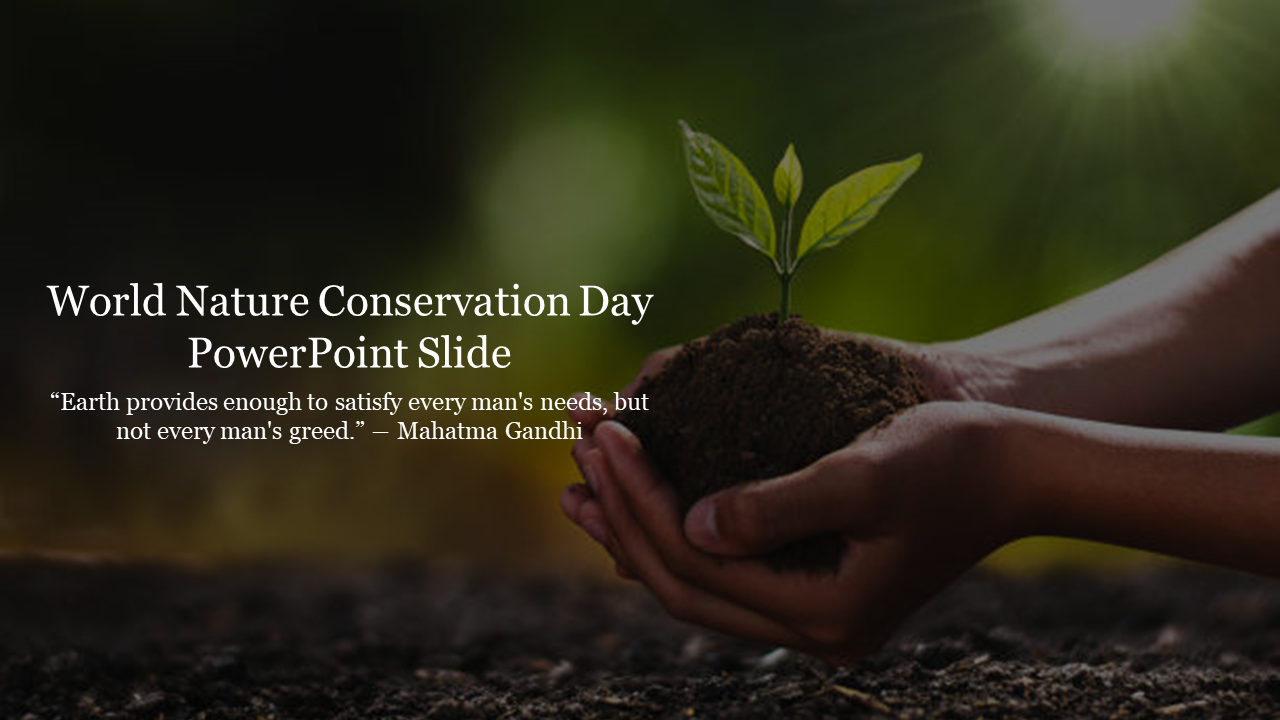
[[732, 198]]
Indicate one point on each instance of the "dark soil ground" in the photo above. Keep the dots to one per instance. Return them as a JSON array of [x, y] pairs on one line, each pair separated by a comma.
[[755, 399], [126, 641]]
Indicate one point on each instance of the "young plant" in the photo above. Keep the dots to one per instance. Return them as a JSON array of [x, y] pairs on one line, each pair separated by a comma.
[[732, 198]]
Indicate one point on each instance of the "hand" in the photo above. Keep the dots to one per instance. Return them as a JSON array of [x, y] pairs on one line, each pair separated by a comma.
[[916, 499], [577, 501], [947, 371]]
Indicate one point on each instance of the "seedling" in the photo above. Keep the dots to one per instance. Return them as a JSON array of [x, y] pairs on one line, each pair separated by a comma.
[[732, 198]]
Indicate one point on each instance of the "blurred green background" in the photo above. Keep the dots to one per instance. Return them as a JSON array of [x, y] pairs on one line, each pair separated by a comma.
[[396, 146]]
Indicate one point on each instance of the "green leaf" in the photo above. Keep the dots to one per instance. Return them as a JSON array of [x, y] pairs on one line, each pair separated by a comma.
[[788, 178], [727, 192], [852, 203]]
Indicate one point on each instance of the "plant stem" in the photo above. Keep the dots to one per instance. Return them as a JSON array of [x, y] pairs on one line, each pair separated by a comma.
[[784, 277], [784, 311]]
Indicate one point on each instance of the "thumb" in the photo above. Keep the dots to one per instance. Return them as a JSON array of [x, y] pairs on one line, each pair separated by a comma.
[[764, 515]]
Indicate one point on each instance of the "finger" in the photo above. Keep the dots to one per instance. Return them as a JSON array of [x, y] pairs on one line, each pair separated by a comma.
[[571, 501], [583, 413], [596, 526], [589, 515], [836, 494], [682, 600], [594, 523], [652, 504], [582, 450], [581, 507]]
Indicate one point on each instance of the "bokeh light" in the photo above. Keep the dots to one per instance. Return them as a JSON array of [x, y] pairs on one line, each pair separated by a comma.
[[566, 202]]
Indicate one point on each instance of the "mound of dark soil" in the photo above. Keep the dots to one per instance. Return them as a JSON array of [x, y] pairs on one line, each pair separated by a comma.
[[755, 400]]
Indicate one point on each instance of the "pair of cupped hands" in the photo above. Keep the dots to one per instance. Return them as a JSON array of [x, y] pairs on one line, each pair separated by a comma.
[[916, 500]]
